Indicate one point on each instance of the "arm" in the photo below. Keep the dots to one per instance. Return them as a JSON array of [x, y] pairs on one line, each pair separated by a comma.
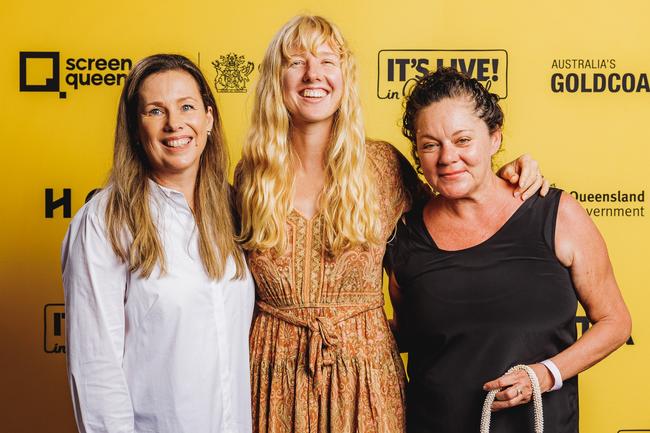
[[94, 282], [580, 247], [524, 171]]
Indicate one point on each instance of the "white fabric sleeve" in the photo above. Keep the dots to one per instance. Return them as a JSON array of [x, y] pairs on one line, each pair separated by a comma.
[[94, 282]]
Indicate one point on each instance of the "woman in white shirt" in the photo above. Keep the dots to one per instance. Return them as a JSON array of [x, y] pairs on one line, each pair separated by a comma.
[[158, 297]]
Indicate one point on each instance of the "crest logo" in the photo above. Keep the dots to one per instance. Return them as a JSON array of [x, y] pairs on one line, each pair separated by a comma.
[[232, 73]]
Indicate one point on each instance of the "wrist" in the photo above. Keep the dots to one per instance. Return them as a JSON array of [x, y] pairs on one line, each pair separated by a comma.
[[554, 372], [544, 377]]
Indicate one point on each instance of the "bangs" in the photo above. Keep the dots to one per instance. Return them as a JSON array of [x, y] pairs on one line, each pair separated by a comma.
[[309, 33]]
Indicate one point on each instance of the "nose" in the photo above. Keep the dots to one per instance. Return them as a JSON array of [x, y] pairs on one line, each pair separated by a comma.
[[448, 154], [313, 71], [173, 122]]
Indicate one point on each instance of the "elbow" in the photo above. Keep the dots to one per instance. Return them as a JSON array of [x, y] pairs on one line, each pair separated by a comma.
[[625, 327], [622, 328]]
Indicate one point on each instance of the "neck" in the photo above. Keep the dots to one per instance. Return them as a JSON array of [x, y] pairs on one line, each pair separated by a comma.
[[181, 182], [310, 143]]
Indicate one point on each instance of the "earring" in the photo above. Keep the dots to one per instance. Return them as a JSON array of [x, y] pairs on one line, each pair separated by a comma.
[[209, 132]]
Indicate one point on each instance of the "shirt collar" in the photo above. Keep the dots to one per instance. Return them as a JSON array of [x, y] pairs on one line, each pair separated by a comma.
[[174, 196]]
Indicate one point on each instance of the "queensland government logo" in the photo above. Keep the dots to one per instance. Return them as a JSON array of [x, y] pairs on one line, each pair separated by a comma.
[[40, 71], [233, 73], [397, 70], [53, 328]]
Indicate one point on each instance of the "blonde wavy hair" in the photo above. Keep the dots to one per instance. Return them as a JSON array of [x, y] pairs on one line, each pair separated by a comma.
[[348, 202], [130, 227]]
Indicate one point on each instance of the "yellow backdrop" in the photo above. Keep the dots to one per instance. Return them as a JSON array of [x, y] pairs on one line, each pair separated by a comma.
[[573, 75]]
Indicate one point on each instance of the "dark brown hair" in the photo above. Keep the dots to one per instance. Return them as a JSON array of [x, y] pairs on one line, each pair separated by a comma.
[[448, 83]]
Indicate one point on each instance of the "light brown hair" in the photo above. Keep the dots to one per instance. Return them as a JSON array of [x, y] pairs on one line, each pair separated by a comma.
[[130, 227]]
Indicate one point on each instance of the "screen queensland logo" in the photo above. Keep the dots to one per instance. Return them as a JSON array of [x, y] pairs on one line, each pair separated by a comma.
[[397, 70], [47, 71]]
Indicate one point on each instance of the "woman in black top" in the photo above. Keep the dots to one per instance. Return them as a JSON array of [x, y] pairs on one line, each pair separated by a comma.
[[482, 281]]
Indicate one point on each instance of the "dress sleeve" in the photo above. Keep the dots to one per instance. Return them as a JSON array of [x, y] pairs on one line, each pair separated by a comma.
[[398, 184], [94, 282]]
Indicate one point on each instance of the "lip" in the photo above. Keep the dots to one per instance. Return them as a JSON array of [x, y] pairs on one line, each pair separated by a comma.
[[166, 140], [301, 92], [450, 175]]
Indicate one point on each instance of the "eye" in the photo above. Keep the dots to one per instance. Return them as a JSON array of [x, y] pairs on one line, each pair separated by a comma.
[[330, 62], [188, 107], [464, 140], [430, 147], [154, 112], [296, 62]]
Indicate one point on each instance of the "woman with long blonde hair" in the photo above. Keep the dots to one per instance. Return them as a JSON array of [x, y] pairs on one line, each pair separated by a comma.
[[158, 296], [318, 202]]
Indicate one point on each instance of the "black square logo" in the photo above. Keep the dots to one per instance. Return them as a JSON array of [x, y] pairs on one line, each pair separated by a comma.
[[54, 328], [48, 80]]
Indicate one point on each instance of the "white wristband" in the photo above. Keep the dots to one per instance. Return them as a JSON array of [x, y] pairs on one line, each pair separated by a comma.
[[557, 377]]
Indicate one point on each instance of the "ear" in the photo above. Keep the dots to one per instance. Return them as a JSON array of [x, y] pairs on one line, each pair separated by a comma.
[[495, 141], [210, 119]]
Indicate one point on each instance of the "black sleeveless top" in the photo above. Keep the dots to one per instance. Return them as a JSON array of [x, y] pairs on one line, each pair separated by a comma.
[[468, 316]]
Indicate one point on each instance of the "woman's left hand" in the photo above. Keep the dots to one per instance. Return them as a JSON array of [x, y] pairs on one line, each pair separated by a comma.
[[525, 173], [517, 388]]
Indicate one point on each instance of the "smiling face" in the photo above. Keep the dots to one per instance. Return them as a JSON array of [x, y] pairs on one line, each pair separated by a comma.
[[312, 85], [455, 147], [172, 123]]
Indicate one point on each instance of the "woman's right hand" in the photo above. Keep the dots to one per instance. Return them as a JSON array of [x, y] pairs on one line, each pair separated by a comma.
[[517, 389]]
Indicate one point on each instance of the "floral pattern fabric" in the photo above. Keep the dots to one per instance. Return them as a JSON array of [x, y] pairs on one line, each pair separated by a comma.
[[323, 358]]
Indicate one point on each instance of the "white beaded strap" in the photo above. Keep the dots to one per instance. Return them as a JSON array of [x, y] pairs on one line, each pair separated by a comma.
[[537, 401]]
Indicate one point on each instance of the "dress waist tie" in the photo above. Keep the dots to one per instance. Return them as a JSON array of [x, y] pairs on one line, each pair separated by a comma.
[[321, 333]]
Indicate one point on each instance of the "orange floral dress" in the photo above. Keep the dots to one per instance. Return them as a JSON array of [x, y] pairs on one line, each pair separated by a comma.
[[323, 358]]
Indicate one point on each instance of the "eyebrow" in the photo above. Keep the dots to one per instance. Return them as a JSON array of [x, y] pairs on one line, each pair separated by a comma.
[[184, 98], [320, 52], [427, 135]]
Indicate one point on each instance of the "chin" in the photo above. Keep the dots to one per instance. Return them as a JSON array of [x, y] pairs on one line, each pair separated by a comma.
[[453, 191]]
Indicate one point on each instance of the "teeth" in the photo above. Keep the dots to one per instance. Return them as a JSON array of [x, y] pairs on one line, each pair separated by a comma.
[[313, 93], [178, 143]]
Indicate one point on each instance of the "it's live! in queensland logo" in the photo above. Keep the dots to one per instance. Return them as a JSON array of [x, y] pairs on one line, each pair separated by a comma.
[[397, 70], [42, 71]]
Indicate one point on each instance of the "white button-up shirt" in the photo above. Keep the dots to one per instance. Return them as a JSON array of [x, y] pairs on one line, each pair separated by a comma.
[[167, 354]]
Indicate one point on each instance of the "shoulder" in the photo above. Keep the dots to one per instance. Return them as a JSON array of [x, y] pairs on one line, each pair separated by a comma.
[[546, 207], [569, 209], [87, 230], [94, 210], [396, 172], [382, 152], [575, 229], [388, 161]]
